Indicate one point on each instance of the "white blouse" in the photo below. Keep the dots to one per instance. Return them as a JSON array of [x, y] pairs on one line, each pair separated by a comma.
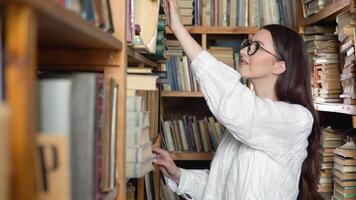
[[261, 156]]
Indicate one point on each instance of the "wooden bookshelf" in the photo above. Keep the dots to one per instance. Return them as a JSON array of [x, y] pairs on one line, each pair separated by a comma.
[[326, 14], [218, 30], [43, 35], [336, 108], [62, 28], [200, 156], [180, 94], [135, 57]]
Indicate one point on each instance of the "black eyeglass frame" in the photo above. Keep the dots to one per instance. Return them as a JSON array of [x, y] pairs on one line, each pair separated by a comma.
[[248, 42]]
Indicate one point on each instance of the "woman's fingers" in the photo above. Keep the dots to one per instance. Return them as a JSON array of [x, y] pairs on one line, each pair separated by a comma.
[[162, 153]]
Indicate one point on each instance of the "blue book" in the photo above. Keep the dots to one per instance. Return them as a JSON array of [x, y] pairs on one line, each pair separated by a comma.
[[89, 11]]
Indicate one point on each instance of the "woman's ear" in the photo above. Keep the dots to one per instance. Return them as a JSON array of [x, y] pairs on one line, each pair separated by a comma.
[[279, 67]]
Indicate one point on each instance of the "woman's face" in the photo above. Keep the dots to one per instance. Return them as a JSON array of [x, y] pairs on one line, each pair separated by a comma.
[[261, 64]]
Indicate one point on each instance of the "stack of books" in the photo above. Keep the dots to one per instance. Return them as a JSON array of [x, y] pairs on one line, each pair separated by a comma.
[[223, 54], [330, 140], [190, 134], [140, 81], [345, 172], [186, 11], [322, 47], [174, 48], [138, 144], [346, 35]]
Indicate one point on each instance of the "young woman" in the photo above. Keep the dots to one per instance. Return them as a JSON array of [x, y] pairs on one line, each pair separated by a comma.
[[271, 149]]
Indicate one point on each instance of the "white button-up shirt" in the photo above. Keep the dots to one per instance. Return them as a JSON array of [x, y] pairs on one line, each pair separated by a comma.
[[261, 155]]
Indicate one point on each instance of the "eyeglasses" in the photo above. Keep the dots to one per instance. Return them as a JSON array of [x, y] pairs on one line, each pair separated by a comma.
[[253, 46]]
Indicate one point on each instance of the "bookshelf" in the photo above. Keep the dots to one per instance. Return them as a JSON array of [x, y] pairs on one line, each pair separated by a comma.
[[338, 115], [197, 156], [327, 14], [218, 30], [43, 35], [183, 94], [336, 108], [75, 32], [135, 57]]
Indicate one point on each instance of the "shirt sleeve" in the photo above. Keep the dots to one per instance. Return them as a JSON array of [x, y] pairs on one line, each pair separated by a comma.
[[191, 184], [259, 123]]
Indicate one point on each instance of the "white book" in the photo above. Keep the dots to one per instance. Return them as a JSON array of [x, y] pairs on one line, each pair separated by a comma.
[[55, 105], [134, 103]]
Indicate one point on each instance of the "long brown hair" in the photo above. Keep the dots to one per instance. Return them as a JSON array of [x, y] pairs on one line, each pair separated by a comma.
[[294, 86]]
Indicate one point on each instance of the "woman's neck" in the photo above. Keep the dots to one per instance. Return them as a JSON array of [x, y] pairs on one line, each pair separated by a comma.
[[265, 88]]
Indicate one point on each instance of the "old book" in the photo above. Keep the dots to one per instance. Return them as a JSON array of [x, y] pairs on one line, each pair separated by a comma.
[[139, 70], [84, 97], [182, 136], [345, 168], [344, 176], [4, 152], [148, 24], [349, 101], [141, 82], [55, 168], [348, 150], [344, 161]]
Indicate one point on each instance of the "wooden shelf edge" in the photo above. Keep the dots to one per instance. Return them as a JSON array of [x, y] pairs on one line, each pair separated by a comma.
[[202, 156], [336, 108], [140, 58], [52, 14], [218, 30], [181, 94], [326, 12]]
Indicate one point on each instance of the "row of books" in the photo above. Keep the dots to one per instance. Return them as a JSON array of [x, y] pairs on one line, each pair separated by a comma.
[[237, 12], [323, 53], [311, 7], [191, 134], [346, 35], [97, 12], [73, 131]]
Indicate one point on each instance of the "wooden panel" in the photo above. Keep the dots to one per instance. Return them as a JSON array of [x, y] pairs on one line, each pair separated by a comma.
[[328, 12], [79, 57], [192, 155], [218, 30], [135, 57], [204, 41], [354, 121], [140, 188], [59, 27], [337, 108], [119, 20], [20, 40], [180, 94]]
